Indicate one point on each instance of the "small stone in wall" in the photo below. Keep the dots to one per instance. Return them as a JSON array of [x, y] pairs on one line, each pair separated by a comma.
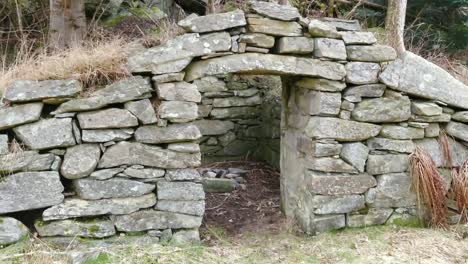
[[237, 101], [106, 135], [432, 130], [274, 27], [383, 110], [321, 85], [461, 116], [393, 190], [328, 222], [342, 24], [143, 174], [365, 91], [425, 109], [169, 77], [210, 84], [321, 29], [11, 231], [151, 219], [196, 208], [186, 236], [319, 103], [183, 175], [329, 48], [105, 174], [258, 40], [402, 146], [330, 165], [170, 134], [108, 118], [143, 110], [443, 118], [180, 191], [362, 72], [355, 154], [178, 112], [353, 37], [458, 130], [235, 112], [295, 45], [389, 163], [341, 130], [26, 161], [47, 134], [80, 161], [178, 91], [213, 22], [95, 228], [375, 53], [113, 188], [374, 216], [184, 147], [275, 11], [400, 132], [324, 204]]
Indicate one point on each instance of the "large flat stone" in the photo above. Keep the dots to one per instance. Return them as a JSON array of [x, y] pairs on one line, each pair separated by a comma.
[[383, 110], [214, 127], [416, 76], [19, 115], [179, 91], [196, 208], [30, 190], [27, 91], [80, 161], [425, 109], [400, 132], [74, 207], [382, 164], [402, 146], [112, 188], [274, 27], [364, 91], [458, 130], [180, 191], [393, 190], [375, 53], [275, 11], [127, 153], [108, 118], [210, 84], [11, 231], [358, 38], [25, 161], [324, 204], [106, 135], [150, 219], [169, 134], [258, 40], [47, 134], [461, 116], [318, 28], [266, 64], [339, 129], [338, 184], [76, 228], [342, 24], [213, 22]]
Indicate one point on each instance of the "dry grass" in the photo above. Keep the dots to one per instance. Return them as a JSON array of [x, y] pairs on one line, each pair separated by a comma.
[[460, 188]]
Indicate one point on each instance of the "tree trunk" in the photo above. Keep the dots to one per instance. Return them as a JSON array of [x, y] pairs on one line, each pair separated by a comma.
[[210, 7], [67, 26], [283, 2], [331, 8], [395, 24]]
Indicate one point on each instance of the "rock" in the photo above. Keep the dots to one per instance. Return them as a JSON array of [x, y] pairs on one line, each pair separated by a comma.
[[326, 149], [399, 132], [274, 27], [267, 64], [458, 130], [183, 175], [132, 153], [25, 161], [11, 231], [329, 48], [213, 127], [143, 110], [210, 84], [26, 91], [355, 154], [119, 92], [80, 161], [325, 223], [342, 24], [382, 164], [178, 112], [184, 147], [321, 85], [106, 135], [150, 219], [144, 173], [275, 11], [461, 116], [330, 165], [393, 190], [180, 191], [443, 118], [47, 134], [30, 190], [375, 216], [295, 45], [75, 228], [19, 115], [218, 185], [337, 204], [341, 130], [365, 91], [432, 147], [246, 112], [179, 91], [73, 207], [375, 53], [204, 110], [402, 146], [105, 174], [352, 37], [383, 110], [196, 208], [213, 22], [169, 77], [320, 29], [186, 236], [169, 134], [113, 188], [258, 40], [362, 72], [108, 118], [425, 109], [4, 146], [237, 101], [338, 184], [432, 130]]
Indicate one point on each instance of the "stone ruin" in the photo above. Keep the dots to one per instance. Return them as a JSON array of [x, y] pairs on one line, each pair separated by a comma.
[[124, 159]]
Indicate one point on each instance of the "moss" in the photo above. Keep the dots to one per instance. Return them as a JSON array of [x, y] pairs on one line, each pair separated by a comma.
[[94, 229], [152, 14], [114, 21], [1, 220], [101, 259], [411, 222]]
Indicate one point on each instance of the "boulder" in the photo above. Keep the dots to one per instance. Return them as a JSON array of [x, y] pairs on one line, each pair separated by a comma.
[[393, 190], [169, 134], [214, 127], [389, 163], [47, 134], [150, 220], [11, 231], [324, 204], [180, 191], [245, 112], [339, 129], [213, 22], [458, 130], [113, 188], [400, 132], [362, 72], [94, 228], [26, 161], [178, 111], [383, 110], [274, 27], [237, 101], [143, 110], [183, 175], [425, 109], [329, 48], [196, 208], [402, 146], [374, 216], [179, 91], [321, 85], [30, 190], [295, 45], [106, 135], [258, 40], [108, 118], [355, 154], [275, 11], [374, 53], [19, 115], [358, 38], [318, 28], [338, 183], [218, 185], [27, 91], [80, 161]]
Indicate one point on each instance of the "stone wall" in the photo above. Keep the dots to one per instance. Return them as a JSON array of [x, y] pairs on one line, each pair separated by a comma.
[[123, 159]]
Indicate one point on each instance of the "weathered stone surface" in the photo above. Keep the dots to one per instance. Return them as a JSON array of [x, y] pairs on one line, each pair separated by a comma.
[[416, 76], [352, 37], [128, 153], [355, 154], [47, 133], [210, 84], [27, 91], [365, 91], [432, 130], [320, 29], [112, 188], [275, 11], [180, 191], [218, 185], [321, 149], [179, 91], [150, 219], [325, 223], [425, 109], [106, 135], [341, 130], [186, 147], [245, 112], [329, 48], [443, 118], [458, 130], [73, 207], [108, 118], [75, 228], [119, 92], [433, 148], [402, 146], [213, 22], [26, 161], [374, 216], [214, 127], [186, 236], [362, 72], [183, 175], [400, 132], [169, 134], [258, 40], [143, 110], [11, 231], [383, 110], [330, 165], [178, 112], [342, 24], [338, 184], [461, 116], [393, 190], [105, 174], [80, 161], [382, 164], [169, 77], [143, 173], [266, 64], [4, 148], [237, 101], [295, 45], [321, 85], [19, 115], [337, 204], [30, 190], [182, 207], [274, 27], [375, 53]]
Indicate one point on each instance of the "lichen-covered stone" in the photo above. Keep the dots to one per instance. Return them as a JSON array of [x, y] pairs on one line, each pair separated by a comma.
[[214, 127], [145, 174], [338, 183], [11, 231], [365, 91], [330, 165], [341, 130], [275, 11], [186, 236], [375, 53], [353, 37], [108, 118], [180, 191], [218, 185], [258, 40], [237, 101], [80, 161], [178, 91], [383, 110], [47, 133], [443, 118], [169, 134], [169, 77], [402, 146], [362, 72], [19, 115], [4, 148], [178, 112], [106, 135], [461, 116], [319, 103], [210, 84], [321, 85], [432, 147], [213, 22], [26, 161], [355, 154], [400, 132], [295, 45], [325, 223], [105, 174], [274, 27], [143, 110], [183, 175], [324, 204], [374, 216], [196, 208], [342, 24], [329, 48], [186, 147], [458, 130], [151, 219], [392, 190], [425, 109], [320, 29], [113, 188], [95, 228], [382, 164], [26, 91], [244, 112]]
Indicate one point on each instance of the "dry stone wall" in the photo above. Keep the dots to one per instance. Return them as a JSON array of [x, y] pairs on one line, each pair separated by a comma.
[[124, 159]]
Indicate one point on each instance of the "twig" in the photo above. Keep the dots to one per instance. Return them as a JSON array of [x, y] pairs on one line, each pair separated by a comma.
[[366, 3]]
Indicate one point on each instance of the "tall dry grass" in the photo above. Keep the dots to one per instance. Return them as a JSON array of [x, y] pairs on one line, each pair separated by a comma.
[[460, 188]]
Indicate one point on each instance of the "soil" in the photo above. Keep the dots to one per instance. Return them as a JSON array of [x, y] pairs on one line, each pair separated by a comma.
[[255, 208]]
